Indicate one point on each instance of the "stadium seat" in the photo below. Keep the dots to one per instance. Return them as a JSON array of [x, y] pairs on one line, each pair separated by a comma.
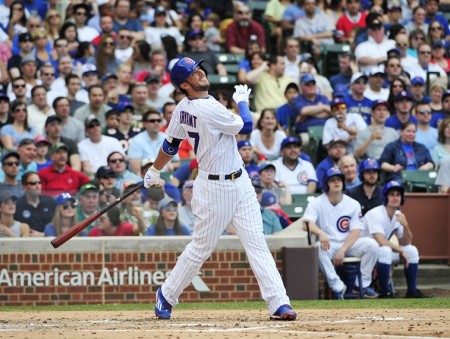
[[329, 58], [232, 68], [303, 199], [299, 204], [229, 58], [315, 143], [223, 82], [417, 180]]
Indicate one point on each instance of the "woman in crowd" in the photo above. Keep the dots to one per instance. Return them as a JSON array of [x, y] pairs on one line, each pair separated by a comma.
[[437, 88], [418, 21], [140, 59], [12, 134], [105, 58], [168, 222], [40, 39], [10, 228], [439, 57], [405, 154], [258, 65], [69, 32], [52, 24], [436, 32], [441, 151], [17, 23], [110, 225], [416, 37], [85, 51], [124, 77], [245, 65], [267, 136], [65, 216], [396, 87]]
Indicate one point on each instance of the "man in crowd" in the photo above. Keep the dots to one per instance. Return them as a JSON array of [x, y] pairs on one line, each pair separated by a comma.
[[348, 166], [95, 107], [118, 164], [39, 110], [356, 101], [10, 167], [403, 103], [88, 198], [425, 135], [375, 90], [71, 128], [336, 149]]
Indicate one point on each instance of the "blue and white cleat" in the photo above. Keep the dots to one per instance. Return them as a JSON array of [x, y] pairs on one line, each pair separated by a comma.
[[284, 312], [163, 309]]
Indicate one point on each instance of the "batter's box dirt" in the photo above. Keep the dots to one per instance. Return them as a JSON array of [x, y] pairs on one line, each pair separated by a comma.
[[345, 323]]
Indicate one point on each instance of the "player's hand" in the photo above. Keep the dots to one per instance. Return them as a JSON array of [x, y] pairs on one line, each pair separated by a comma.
[[324, 241], [151, 178], [338, 259], [401, 218], [242, 93], [404, 256]]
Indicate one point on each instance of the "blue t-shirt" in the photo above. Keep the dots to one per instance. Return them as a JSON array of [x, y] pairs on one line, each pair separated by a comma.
[[363, 107], [410, 157], [436, 119], [395, 123], [245, 64], [340, 79], [151, 230], [17, 137], [293, 12], [44, 165], [284, 114], [252, 170], [441, 20], [321, 169], [301, 102], [131, 24]]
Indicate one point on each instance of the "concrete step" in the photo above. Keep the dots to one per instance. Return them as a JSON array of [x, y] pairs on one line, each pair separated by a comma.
[[430, 276]]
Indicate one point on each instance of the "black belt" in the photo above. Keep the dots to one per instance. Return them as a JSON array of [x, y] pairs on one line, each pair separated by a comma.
[[231, 176]]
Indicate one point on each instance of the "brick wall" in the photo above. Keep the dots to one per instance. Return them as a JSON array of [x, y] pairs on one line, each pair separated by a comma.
[[104, 277]]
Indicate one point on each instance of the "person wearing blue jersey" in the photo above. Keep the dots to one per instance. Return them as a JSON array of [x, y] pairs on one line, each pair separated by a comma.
[[403, 103], [356, 101]]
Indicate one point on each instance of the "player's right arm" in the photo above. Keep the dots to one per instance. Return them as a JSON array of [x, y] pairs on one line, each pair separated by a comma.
[[323, 237]]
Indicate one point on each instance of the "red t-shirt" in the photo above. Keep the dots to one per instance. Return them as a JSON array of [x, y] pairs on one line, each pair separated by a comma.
[[124, 229], [240, 36], [55, 183], [345, 25]]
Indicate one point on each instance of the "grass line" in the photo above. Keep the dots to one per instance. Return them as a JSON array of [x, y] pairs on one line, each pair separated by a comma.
[[433, 303]]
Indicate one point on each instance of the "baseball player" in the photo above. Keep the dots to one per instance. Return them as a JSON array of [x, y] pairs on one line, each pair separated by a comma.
[[222, 195], [337, 221], [382, 223]]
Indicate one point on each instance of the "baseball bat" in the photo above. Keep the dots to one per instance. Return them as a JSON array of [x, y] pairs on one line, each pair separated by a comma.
[[74, 230], [308, 231]]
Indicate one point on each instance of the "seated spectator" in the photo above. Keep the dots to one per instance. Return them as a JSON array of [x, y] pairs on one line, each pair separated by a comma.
[[356, 101], [153, 197], [107, 178], [403, 111], [111, 225], [297, 173], [368, 193], [245, 66], [10, 167], [39, 110], [267, 136], [372, 140], [34, 208], [441, 151], [88, 203], [269, 201], [336, 149], [249, 158], [349, 167], [65, 216], [437, 118], [12, 134], [405, 154], [111, 121], [426, 135], [443, 176], [417, 89], [95, 107], [342, 125], [185, 213], [9, 226], [96, 147], [118, 164], [266, 175], [154, 99], [105, 59], [347, 68], [375, 90], [159, 28], [271, 222], [286, 111], [125, 130], [131, 208], [60, 177], [42, 145], [437, 87], [168, 222]]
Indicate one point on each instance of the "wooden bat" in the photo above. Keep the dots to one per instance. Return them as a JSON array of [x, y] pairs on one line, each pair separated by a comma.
[[308, 231], [74, 230]]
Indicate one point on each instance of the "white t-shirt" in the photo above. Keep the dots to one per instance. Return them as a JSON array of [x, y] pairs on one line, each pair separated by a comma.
[[383, 94], [272, 153], [87, 34], [331, 131], [371, 49], [96, 153]]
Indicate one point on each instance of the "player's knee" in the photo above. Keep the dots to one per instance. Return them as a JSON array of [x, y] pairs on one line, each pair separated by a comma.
[[385, 255], [371, 247], [413, 253]]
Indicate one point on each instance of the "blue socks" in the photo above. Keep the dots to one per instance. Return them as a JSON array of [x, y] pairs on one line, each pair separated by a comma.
[[384, 271], [411, 277]]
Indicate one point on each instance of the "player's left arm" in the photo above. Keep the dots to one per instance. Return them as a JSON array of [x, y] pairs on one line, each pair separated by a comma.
[[340, 254]]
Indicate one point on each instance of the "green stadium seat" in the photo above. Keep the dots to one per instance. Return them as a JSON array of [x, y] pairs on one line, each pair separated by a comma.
[[223, 82], [303, 199], [294, 212], [232, 68], [299, 204], [417, 180], [229, 58], [315, 143]]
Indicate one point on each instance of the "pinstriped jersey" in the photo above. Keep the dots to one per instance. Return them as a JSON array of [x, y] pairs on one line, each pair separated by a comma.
[[336, 221], [378, 221], [210, 128]]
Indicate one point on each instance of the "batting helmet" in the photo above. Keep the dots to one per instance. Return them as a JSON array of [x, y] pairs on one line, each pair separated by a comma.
[[367, 165], [332, 172], [391, 186], [182, 70]]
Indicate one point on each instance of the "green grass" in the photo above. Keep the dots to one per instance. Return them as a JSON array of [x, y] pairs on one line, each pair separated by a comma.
[[298, 305]]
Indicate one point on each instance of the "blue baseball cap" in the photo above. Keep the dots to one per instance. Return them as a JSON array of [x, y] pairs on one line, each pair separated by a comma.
[[63, 197], [380, 102], [266, 165], [290, 140], [307, 78], [10, 154], [417, 81], [268, 199], [403, 95], [340, 90], [243, 143], [256, 182], [337, 101]]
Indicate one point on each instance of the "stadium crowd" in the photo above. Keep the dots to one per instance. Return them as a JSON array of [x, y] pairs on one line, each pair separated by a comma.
[[85, 98]]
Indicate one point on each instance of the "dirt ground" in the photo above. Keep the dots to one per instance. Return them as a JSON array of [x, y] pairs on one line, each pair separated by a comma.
[[345, 323]]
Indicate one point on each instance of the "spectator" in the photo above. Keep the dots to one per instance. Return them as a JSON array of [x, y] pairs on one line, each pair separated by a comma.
[[368, 193], [53, 23], [312, 109], [146, 144], [34, 208], [352, 18], [17, 20], [286, 111], [123, 50], [437, 118], [84, 33], [269, 201], [393, 70], [342, 125], [95, 107], [432, 8], [5, 114], [131, 208], [346, 70], [437, 89], [290, 15], [111, 225], [140, 60], [426, 135], [158, 59], [241, 31], [375, 91], [373, 52], [292, 59], [417, 89], [12, 134], [88, 203], [405, 154], [47, 76], [424, 59], [42, 53], [124, 77], [60, 177], [154, 196], [356, 101], [443, 176], [159, 28], [19, 91], [28, 70], [9, 226], [122, 19], [111, 122], [403, 106], [168, 222], [418, 21], [107, 179], [65, 216], [397, 86], [89, 78], [441, 151], [439, 58], [96, 147], [139, 97], [42, 145], [248, 156], [408, 62], [72, 128], [214, 39], [10, 167], [59, 86], [39, 110], [185, 214], [297, 173], [26, 47], [117, 162], [267, 136], [125, 130], [258, 65], [154, 98], [271, 85], [336, 150], [382, 223], [105, 59], [349, 167], [436, 33], [27, 153], [266, 175], [338, 239], [372, 140], [271, 220], [244, 67]]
